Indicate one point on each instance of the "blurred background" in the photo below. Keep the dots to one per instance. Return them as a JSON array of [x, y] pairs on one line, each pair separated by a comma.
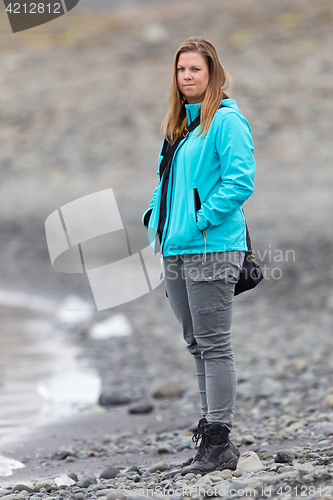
[[82, 100]]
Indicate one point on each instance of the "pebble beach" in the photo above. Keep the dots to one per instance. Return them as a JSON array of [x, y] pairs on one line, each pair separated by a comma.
[[81, 105]]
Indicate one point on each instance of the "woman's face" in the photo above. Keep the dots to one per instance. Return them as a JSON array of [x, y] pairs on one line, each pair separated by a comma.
[[192, 76]]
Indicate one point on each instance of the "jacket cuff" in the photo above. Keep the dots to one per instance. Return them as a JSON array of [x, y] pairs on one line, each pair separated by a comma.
[[146, 217], [202, 224]]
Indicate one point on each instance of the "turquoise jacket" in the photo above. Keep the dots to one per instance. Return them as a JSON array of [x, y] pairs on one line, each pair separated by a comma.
[[210, 179]]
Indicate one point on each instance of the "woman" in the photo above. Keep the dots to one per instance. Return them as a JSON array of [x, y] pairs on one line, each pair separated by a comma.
[[196, 210]]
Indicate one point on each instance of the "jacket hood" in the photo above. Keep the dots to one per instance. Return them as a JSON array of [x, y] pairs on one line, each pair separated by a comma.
[[193, 110]]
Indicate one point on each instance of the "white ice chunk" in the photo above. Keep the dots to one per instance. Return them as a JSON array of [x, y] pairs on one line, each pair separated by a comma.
[[8, 464], [63, 480], [71, 386], [74, 310], [115, 326]]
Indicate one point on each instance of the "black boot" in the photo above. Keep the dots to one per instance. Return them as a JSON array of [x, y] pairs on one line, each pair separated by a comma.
[[232, 446], [215, 451]]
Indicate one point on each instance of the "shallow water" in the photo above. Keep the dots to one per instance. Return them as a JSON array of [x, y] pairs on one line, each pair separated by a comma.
[[32, 351]]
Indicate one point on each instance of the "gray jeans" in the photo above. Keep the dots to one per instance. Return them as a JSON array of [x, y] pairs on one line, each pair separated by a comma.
[[201, 296]]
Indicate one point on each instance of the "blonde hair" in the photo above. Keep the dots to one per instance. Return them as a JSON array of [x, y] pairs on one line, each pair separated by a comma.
[[219, 80]]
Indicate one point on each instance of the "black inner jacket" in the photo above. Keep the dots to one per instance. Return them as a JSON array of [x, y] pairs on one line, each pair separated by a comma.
[[165, 184]]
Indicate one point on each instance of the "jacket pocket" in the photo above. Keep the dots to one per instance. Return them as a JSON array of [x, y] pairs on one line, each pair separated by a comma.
[[146, 217], [197, 202]]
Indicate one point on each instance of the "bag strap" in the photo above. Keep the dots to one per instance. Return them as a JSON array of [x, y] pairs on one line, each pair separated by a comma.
[[248, 239]]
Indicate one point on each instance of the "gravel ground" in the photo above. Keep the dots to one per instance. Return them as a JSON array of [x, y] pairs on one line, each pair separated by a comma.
[[80, 111]]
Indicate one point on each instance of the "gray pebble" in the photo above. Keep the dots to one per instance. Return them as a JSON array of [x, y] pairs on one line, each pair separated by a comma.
[[248, 439], [87, 480], [79, 496], [109, 473], [167, 389], [103, 492], [142, 406], [189, 476], [325, 430], [115, 495], [283, 469], [73, 476], [160, 466], [112, 398], [21, 487], [284, 457], [141, 497], [164, 448], [14, 496]]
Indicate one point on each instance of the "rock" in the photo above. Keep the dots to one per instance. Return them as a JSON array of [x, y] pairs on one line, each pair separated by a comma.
[[164, 448], [249, 462], [14, 496], [64, 480], [115, 495], [193, 427], [294, 452], [264, 387], [21, 487], [284, 468], [102, 493], [63, 454], [87, 479], [134, 468], [206, 479], [237, 473], [284, 457], [324, 442], [73, 476], [112, 398], [135, 497], [224, 474], [166, 389], [325, 430], [160, 466], [292, 473], [109, 473], [329, 400], [248, 439], [301, 364], [189, 476], [45, 483], [79, 496], [142, 406]]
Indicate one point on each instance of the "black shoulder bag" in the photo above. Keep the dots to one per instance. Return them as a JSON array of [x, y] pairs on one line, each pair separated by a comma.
[[250, 275]]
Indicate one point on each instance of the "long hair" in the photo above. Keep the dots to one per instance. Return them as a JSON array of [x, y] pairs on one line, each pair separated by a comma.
[[219, 80]]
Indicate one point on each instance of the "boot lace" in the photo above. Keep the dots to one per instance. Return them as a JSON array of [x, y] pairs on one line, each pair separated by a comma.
[[204, 444]]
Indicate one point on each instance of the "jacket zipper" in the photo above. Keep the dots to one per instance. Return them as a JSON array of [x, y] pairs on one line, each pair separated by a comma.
[[168, 223], [171, 173]]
